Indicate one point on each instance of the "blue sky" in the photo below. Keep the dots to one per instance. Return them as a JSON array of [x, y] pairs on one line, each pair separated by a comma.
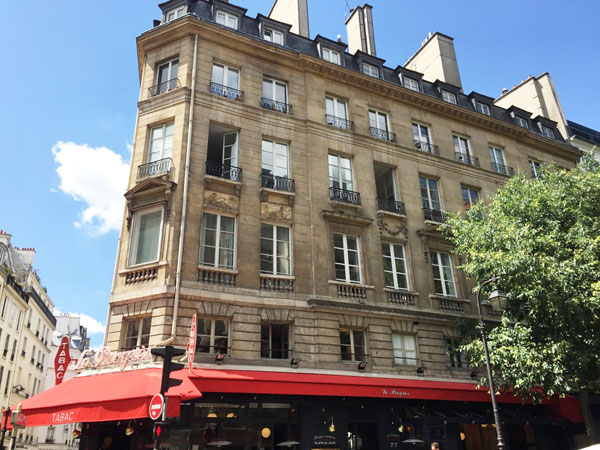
[[68, 112]]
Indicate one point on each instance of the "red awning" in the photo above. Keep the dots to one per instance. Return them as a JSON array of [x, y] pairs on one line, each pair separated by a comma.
[[104, 397]]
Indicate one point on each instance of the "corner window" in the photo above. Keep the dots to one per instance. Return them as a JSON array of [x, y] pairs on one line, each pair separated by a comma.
[[449, 97], [394, 266], [331, 55], [352, 345], [410, 83], [274, 36], [217, 247], [370, 69], [227, 20], [212, 336], [482, 108], [347, 258], [166, 77], [275, 257], [522, 122], [175, 14], [470, 195], [405, 349], [274, 341], [137, 333], [161, 142], [146, 236], [443, 277], [548, 132]]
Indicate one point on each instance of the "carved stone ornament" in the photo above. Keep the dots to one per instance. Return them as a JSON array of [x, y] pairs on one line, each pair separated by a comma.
[[393, 230], [221, 200], [275, 211], [151, 191]]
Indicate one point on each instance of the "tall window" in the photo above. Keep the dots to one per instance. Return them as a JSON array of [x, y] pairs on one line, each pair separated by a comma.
[[161, 142], [370, 69], [522, 122], [275, 159], [275, 250], [166, 76], [275, 90], [13, 351], [6, 345], [336, 108], [482, 108], [340, 172], [470, 195], [430, 193], [217, 246], [410, 83], [274, 36], [461, 145], [331, 56], [456, 357], [535, 167], [4, 304], [378, 120], [443, 277], [212, 336], [394, 266], [138, 333], [385, 184], [347, 258], [226, 81], [274, 341], [146, 236], [498, 163], [227, 20], [352, 345], [449, 97], [421, 133], [405, 349], [7, 383]]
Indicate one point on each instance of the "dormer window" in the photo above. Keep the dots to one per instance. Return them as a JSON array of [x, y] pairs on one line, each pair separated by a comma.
[[370, 69], [482, 108], [522, 122], [274, 36], [548, 132], [410, 83], [449, 97], [175, 14], [332, 56], [227, 20]]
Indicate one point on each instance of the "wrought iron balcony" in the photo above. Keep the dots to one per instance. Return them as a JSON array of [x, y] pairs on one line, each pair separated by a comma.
[[267, 103], [164, 87], [339, 122], [426, 147], [278, 183], [501, 168], [383, 134], [217, 169], [226, 91], [162, 166], [434, 215], [465, 158], [342, 195], [385, 204]]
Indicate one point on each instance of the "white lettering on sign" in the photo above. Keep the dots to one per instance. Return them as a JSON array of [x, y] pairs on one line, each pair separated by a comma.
[[62, 359], [105, 358], [393, 392], [63, 417]]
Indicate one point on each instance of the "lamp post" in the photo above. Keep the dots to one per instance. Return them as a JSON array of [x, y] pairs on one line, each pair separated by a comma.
[[487, 362]]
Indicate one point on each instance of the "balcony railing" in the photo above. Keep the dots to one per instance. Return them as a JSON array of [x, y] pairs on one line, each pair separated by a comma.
[[164, 87], [162, 166], [12, 282], [217, 169], [391, 205], [141, 275], [383, 134], [276, 283], [426, 147], [465, 158], [216, 276], [226, 91], [342, 195], [267, 103], [451, 305], [501, 168], [278, 183], [352, 291], [339, 122], [398, 297], [434, 215]]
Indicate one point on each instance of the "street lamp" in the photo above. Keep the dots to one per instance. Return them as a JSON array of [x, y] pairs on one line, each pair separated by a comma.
[[496, 298]]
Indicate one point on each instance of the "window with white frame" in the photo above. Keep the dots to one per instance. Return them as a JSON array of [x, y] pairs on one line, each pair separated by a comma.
[[161, 142], [370, 69], [405, 349], [461, 145], [275, 90], [217, 246], [347, 258], [275, 160], [470, 195], [227, 20], [175, 14], [522, 122], [137, 333], [482, 108], [166, 76], [275, 255], [498, 162], [337, 112], [212, 336], [378, 120], [340, 172], [449, 97], [430, 194], [274, 340], [274, 36], [421, 133], [548, 132], [146, 235], [394, 266], [410, 83], [331, 55], [443, 276], [535, 167], [352, 345], [225, 81]]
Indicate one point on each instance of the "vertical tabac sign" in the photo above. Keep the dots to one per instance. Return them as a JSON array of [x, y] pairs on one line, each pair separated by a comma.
[[62, 359], [191, 345]]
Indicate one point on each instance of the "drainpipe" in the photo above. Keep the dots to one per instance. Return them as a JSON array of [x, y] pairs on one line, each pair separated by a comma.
[[185, 195]]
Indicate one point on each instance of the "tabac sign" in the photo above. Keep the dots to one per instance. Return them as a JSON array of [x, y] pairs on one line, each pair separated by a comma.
[[62, 360]]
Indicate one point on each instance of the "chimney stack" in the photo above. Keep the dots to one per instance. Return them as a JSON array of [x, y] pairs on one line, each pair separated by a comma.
[[436, 60], [361, 35], [294, 13]]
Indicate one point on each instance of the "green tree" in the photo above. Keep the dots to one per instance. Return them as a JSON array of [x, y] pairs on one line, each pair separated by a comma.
[[541, 238]]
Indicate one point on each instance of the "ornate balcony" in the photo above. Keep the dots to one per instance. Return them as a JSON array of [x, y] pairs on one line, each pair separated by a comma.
[[339, 122], [226, 91], [398, 297], [276, 283], [284, 108], [164, 87], [217, 169], [141, 275], [342, 195], [434, 215], [451, 305], [501, 168], [465, 158], [221, 277], [384, 204], [352, 291], [383, 134], [426, 147], [278, 183], [160, 167]]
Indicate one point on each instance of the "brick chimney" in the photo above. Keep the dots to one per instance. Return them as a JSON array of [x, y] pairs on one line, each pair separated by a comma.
[[361, 35]]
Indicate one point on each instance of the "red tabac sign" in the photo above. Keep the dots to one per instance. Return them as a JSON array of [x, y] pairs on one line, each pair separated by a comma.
[[62, 359], [191, 346]]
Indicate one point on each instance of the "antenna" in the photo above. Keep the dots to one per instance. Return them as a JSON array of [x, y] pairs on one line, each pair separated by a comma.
[[347, 10]]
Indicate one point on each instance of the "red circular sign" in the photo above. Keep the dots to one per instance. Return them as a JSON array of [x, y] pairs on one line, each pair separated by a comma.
[[156, 406]]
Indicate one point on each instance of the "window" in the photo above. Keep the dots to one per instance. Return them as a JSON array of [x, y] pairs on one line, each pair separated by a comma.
[[394, 266], [275, 96], [456, 357], [347, 258], [137, 333], [161, 142], [352, 345], [535, 167], [340, 173], [274, 36], [331, 56], [385, 184], [13, 351], [498, 163], [337, 112], [421, 133], [274, 341], [522, 122], [461, 145], [7, 383], [410, 83], [227, 20], [212, 336], [405, 349], [222, 155], [1, 373], [24, 345], [175, 14], [482, 108], [370, 70], [217, 247], [146, 236], [430, 193], [275, 250], [378, 121], [4, 307], [225, 81], [449, 97], [470, 196], [548, 132], [443, 277], [166, 77], [275, 159]]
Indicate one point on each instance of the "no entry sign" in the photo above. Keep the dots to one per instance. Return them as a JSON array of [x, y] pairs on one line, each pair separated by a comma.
[[62, 360], [156, 406]]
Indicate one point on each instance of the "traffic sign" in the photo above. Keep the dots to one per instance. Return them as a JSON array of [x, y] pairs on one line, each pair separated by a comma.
[[156, 406], [191, 346]]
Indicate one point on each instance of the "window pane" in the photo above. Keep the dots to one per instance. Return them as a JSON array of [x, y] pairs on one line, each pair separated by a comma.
[[148, 237], [268, 89]]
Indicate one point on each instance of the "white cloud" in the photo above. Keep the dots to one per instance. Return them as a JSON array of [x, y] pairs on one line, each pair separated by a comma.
[[96, 177], [93, 326]]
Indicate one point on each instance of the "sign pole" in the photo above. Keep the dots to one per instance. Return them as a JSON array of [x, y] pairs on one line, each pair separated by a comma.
[[13, 434], [5, 427]]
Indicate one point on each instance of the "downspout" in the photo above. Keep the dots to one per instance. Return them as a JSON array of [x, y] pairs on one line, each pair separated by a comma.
[[185, 195]]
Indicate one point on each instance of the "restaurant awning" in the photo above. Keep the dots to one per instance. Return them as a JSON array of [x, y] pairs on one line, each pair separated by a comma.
[[104, 397]]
